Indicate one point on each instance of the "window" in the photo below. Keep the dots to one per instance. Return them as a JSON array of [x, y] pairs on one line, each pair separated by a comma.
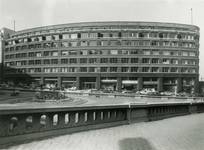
[[125, 69], [100, 35], [54, 53], [166, 61], [72, 60], [93, 43], [72, 52], [64, 44], [154, 35], [134, 60], [174, 61], [154, 43], [161, 35], [83, 60], [31, 54], [18, 63], [145, 69], [64, 69], [48, 38], [146, 52], [113, 69], [47, 70], [166, 53], [73, 44], [64, 61], [184, 70], [113, 52], [46, 61], [141, 35], [84, 43], [93, 35], [104, 60], [192, 53], [83, 69], [172, 35], [104, 43], [46, 53], [174, 53], [155, 69], [115, 43], [64, 53], [37, 70], [104, 69], [174, 69], [126, 43], [37, 62], [92, 60], [18, 55], [155, 60], [125, 52], [92, 52], [72, 69], [134, 52], [134, 69], [84, 35], [55, 70], [38, 54], [74, 36], [145, 60], [84, 52], [184, 53], [54, 61], [124, 60], [192, 70], [113, 60], [24, 62], [92, 69], [31, 62]]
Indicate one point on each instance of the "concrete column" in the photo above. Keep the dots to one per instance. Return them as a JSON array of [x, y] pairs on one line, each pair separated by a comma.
[[77, 83], [140, 83], [42, 80], [4, 125], [98, 82], [119, 84], [59, 82], [196, 85], [179, 84], [160, 84]]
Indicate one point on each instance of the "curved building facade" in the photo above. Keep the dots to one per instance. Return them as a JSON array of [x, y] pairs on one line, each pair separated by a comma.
[[113, 55]]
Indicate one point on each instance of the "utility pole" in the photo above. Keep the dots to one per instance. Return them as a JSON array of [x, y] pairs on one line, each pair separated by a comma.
[[14, 25], [192, 16]]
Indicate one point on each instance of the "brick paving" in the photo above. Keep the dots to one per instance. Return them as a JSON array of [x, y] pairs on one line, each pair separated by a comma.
[[178, 133]]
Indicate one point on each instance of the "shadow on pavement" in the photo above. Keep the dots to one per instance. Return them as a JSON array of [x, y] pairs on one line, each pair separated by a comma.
[[135, 144]]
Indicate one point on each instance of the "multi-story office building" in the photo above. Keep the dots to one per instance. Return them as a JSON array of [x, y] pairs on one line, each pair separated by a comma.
[[4, 34], [117, 55]]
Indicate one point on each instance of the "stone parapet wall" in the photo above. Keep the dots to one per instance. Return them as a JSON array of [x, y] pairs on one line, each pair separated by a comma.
[[20, 125]]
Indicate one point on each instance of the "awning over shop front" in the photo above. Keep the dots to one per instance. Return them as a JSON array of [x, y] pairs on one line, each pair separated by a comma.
[[129, 82], [50, 79], [108, 81]]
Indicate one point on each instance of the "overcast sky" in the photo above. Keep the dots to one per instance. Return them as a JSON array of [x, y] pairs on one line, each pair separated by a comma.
[[34, 13]]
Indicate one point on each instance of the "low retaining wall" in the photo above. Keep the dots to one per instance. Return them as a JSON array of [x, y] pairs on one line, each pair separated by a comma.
[[19, 125]]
